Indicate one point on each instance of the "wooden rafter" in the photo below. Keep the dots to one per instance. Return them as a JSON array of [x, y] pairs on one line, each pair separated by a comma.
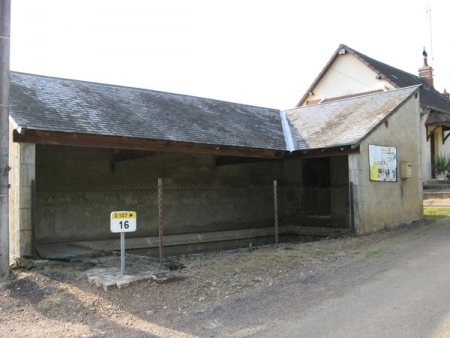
[[118, 142], [326, 152]]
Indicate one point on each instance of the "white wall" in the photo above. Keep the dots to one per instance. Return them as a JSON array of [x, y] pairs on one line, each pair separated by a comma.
[[347, 75], [425, 149]]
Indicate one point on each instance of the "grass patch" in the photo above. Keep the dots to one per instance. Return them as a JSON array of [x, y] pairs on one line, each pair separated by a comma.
[[436, 212], [374, 253]]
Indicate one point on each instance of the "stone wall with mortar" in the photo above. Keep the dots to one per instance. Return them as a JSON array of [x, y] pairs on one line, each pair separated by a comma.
[[22, 163]]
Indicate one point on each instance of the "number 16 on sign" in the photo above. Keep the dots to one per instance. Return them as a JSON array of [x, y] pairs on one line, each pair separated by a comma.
[[123, 221]]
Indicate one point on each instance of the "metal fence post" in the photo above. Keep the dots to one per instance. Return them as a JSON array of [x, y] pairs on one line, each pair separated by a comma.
[[275, 203], [160, 222]]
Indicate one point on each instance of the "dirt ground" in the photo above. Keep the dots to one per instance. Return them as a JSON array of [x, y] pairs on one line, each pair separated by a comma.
[[56, 300]]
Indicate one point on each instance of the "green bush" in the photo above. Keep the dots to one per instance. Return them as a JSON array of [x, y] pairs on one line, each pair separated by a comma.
[[441, 163]]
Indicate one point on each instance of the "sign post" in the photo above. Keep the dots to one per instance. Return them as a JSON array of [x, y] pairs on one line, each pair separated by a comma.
[[122, 222]]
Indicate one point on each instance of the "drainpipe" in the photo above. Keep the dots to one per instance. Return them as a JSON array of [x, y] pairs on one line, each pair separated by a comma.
[[5, 28]]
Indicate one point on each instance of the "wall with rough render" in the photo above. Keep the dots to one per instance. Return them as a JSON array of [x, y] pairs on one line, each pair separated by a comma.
[[384, 204], [71, 166], [77, 189]]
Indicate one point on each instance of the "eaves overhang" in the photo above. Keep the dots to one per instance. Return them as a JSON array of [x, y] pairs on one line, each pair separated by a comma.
[[46, 137], [439, 110], [436, 120]]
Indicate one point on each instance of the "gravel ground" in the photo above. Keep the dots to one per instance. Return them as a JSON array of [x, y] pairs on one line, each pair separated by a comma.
[[238, 287]]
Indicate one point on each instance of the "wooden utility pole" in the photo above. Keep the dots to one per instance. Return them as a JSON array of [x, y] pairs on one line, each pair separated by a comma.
[[5, 29]]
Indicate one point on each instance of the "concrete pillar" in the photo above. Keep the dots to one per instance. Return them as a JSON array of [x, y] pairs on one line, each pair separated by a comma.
[[23, 172], [356, 175]]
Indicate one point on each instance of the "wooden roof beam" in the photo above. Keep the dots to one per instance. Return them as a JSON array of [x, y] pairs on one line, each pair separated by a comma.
[[119, 142]]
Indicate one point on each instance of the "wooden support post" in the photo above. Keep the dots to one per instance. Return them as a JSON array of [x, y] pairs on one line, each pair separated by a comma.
[[275, 203], [160, 222]]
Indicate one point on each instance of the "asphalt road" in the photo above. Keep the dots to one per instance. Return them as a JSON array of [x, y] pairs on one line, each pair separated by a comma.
[[398, 287], [409, 297]]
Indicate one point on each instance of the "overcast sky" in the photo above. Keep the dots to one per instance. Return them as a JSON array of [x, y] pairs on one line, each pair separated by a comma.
[[258, 52]]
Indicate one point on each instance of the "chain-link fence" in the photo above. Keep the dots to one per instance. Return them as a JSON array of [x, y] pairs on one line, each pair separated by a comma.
[[182, 219]]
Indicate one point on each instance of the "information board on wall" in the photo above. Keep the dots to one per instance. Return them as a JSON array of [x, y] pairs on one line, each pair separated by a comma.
[[383, 163]]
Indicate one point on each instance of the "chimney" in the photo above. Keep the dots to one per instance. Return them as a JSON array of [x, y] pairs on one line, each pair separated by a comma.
[[446, 94], [426, 72]]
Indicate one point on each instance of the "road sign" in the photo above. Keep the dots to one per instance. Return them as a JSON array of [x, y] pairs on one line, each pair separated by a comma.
[[123, 221]]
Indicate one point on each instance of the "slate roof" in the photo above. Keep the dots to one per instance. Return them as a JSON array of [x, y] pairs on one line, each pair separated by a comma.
[[429, 97], [59, 105], [54, 104], [345, 122]]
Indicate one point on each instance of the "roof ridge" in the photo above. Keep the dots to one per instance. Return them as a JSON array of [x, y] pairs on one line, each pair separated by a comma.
[[342, 97], [371, 61], [356, 96]]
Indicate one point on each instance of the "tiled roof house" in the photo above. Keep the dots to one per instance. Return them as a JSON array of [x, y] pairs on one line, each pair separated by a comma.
[[349, 72]]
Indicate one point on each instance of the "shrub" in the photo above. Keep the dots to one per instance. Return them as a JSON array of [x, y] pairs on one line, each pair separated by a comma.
[[441, 163]]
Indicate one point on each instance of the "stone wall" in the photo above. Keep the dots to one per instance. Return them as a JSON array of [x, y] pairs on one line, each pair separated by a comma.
[[22, 163], [78, 189], [71, 167]]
